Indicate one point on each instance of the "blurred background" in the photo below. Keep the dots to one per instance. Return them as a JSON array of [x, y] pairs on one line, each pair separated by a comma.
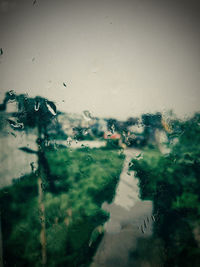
[[99, 133]]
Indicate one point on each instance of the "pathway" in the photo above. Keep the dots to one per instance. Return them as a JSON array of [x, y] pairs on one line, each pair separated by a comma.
[[125, 227]]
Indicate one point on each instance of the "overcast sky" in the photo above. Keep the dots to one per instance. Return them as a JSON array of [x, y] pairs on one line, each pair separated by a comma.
[[117, 57]]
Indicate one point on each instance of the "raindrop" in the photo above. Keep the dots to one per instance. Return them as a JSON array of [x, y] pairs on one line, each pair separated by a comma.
[[138, 156], [153, 218], [11, 100], [87, 115], [16, 125], [11, 92], [47, 143], [1, 51], [130, 164], [37, 106], [34, 2], [113, 129], [64, 84], [43, 186], [26, 97], [142, 229], [69, 140], [85, 132], [51, 107], [32, 166], [13, 134], [12, 97]]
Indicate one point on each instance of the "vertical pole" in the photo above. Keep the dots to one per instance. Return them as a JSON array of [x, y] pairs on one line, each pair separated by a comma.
[[1, 245], [41, 173], [42, 219]]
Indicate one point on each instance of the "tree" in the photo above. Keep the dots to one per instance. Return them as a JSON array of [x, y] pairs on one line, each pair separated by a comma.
[[36, 113], [172, 182]]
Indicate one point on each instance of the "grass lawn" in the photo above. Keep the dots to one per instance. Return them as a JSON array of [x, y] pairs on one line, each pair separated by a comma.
[[83, 179]]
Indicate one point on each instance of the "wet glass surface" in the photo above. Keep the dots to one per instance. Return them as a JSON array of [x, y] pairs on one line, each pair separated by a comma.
[[100, 163]]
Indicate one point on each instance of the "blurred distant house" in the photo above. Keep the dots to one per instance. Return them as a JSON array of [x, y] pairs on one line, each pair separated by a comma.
[[109, 135], [78, 127], [150, 129], [114, 140], [70, 121]]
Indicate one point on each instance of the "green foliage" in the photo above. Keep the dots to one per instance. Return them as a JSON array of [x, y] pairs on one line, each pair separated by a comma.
[[112, 144], [37, 112], [84, 178], [20, 224], [82, 133], [173, 183]]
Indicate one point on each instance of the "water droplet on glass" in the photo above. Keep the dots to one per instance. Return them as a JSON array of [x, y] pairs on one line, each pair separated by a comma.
[[37, 106], [153, 218], [139, 156], [69, 141], [130, 164], [47, 143], [13, 134], [43, 186], [11, 92], [142, 229], [51, 107], [85, 132], [16, 125], [11, 100], [87, 115], [32, 166], [113, 129]]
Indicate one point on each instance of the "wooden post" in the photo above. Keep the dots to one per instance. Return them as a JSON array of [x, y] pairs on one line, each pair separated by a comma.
[[42, 219], [1, 245], [41, 205]]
